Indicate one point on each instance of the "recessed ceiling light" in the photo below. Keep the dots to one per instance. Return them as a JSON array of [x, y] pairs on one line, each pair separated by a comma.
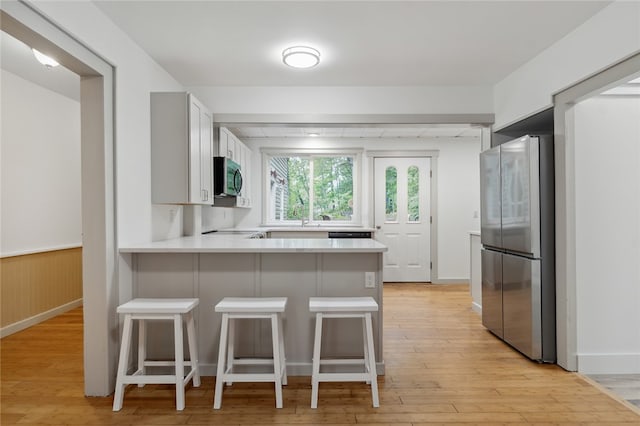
[[44, 59], [301, 57]]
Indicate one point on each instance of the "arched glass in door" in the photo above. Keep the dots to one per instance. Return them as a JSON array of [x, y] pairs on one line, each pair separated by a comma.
[[413, 194], [391, 194]]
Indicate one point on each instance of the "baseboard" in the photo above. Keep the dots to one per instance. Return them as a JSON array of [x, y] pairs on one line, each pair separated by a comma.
[[476, 307], [36, 319], [609, 363], [450, 281]]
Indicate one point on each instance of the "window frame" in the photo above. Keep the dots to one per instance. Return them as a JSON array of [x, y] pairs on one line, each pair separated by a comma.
[[269, 153]]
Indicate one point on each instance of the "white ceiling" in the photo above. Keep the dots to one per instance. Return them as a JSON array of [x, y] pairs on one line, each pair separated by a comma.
[[362, 43]]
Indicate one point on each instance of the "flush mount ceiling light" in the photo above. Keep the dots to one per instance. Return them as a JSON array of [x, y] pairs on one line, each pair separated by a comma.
[[301, 57], [44, 59]]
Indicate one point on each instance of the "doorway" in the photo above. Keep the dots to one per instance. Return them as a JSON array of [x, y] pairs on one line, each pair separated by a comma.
[[99, 260], [402, 214], [595, 169]]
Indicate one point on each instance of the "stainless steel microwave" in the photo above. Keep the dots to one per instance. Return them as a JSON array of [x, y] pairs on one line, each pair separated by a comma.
[[227, 177]]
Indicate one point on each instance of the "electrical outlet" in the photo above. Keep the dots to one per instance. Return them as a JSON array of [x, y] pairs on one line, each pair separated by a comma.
[[369, 280]]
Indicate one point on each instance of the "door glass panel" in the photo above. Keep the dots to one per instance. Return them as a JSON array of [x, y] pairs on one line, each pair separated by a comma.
[[413, 191], [391, 191]]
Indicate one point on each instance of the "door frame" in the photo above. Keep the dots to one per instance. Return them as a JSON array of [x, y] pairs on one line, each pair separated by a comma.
[[565, 186], [433, 200], [100, 285]]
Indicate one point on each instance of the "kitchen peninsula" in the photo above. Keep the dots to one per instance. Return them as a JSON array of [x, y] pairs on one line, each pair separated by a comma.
[[211, 267]]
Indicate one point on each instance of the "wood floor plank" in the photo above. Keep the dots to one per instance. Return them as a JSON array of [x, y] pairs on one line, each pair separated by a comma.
[[442, 367]]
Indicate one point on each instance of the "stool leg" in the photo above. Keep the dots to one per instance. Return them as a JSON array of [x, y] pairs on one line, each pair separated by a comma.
[[315, 376], [179, 361], [142, 348], [217, 399], [283, 358], [193, 349], [123, 363], [372, 360], [231, 347], [277, 371], [366, 347]]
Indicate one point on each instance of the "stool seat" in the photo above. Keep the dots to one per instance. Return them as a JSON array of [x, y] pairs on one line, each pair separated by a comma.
[[233, 308], [252, 304], [158, 306], [143, 310], [342, 304], [344, 308]]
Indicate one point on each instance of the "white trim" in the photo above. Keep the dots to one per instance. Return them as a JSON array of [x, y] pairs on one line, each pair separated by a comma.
[[99, 228], [311, 151], [41, 250], [461, 281], [349, 120], [36, 319], [356, 153], [476, 307], [609, 363], [433, 153], [565, 216]]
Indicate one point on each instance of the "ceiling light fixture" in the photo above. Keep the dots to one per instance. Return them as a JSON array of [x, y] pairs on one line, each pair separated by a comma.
[[313, 134], [301, 57], [44, 59]]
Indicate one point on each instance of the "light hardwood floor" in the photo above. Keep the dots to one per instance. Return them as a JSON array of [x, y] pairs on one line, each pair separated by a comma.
[[442, 367]]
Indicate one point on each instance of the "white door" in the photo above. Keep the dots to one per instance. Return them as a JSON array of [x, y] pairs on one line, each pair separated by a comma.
[[403, 217]]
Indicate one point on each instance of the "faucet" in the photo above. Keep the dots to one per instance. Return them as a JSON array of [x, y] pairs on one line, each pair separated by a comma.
[[304, 222]]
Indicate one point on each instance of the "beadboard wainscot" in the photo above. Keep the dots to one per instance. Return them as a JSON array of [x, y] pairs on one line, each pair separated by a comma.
[[39, 285]]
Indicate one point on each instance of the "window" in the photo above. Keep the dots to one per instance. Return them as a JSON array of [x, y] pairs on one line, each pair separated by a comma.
[[315, 187], [413, 194], [391, 194]]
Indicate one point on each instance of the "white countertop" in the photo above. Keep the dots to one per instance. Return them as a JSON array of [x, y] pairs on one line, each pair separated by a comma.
[[306, 228], [237, 244]]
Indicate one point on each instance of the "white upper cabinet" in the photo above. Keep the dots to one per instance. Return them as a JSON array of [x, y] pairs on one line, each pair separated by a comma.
[[228, 145], [181, 150], [245, 162], [227, 142]]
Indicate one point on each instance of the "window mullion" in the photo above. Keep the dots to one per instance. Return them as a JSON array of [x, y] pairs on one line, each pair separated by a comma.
[[311, 188]]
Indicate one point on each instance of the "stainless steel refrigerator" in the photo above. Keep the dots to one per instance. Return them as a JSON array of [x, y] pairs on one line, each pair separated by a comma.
[[518, 238]]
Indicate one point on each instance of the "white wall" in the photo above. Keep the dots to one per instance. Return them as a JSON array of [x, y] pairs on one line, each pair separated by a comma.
[[40, 155], [607, 153], [458, 191], [606, 38], [347, 100], [136, 76]]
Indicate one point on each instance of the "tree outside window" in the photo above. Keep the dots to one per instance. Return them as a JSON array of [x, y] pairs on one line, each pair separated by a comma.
[[321, 185]]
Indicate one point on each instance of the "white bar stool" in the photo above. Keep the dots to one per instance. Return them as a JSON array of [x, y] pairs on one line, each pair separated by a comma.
[[252, 308], [344, 307], [144, 310]]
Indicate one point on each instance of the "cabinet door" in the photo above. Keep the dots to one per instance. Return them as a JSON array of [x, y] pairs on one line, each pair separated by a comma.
[[200, 153], [206, 157], [223, 142], [231, 147], [195, 132], [246, 158]]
